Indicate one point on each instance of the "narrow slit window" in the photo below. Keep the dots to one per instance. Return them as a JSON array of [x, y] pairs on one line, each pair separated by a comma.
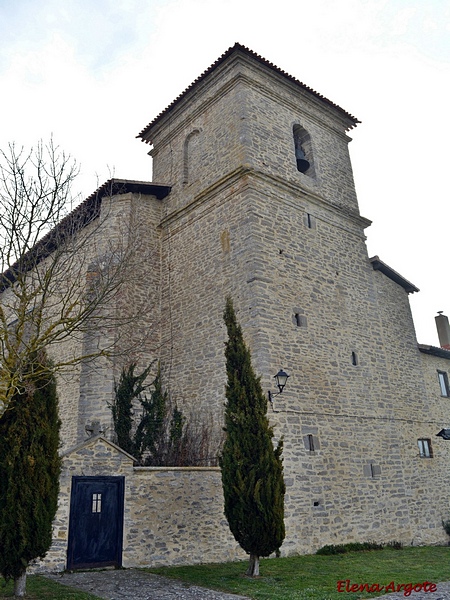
[[354, 359], [309, 220], [310, 442], [96, 503], [300, 320], [372, 470]]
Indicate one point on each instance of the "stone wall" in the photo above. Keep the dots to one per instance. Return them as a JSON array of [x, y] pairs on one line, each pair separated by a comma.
[[129, 331], [176, 517], [171, 515]]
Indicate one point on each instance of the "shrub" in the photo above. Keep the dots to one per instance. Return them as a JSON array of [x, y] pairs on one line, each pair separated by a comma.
[[395, 545], [151, 429], [350, 547], [29, 471], [446, 526]]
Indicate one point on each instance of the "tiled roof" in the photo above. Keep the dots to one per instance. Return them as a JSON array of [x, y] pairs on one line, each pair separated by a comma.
[[239, 48]]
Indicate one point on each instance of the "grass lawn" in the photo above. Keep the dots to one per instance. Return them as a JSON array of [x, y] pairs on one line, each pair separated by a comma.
[[315, 577], [308, 577], [39, 588]]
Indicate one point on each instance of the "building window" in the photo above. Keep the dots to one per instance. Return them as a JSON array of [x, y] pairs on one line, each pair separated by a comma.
[[311, 442], [372, 470], [310, 221], [354, 359], [443, 382], [96, 503], [303, 150], [425, 450], [300, 320]]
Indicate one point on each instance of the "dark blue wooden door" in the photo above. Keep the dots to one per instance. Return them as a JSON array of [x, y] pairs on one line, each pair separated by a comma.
[[96, 522]]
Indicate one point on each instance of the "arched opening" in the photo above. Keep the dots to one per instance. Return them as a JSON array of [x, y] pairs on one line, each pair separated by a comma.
[[303, 150], [191, 151]]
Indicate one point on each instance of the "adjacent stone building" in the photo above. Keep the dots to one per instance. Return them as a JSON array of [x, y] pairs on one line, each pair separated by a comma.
[[255, 200]]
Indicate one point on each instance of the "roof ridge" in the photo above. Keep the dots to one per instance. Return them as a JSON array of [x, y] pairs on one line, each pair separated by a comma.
[[236, 47]]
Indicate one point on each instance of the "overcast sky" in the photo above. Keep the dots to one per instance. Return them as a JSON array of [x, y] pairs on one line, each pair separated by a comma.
[[93, 73]]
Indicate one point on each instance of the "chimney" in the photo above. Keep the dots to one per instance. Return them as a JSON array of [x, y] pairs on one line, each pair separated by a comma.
[[443, 329]]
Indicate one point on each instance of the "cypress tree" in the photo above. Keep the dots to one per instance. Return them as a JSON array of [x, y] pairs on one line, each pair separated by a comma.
[[29, 473], [252, 470]]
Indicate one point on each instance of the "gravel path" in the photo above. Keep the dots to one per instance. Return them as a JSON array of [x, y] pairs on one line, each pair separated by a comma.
[[442, 593], [132, 584]]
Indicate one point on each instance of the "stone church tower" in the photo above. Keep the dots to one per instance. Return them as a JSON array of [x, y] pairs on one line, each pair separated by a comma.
[[253, 198], [263, 208], [243, 220]]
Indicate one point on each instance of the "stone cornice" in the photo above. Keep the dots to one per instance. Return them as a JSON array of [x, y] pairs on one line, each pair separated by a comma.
[[277, 183], [379, 265], [182, 469]]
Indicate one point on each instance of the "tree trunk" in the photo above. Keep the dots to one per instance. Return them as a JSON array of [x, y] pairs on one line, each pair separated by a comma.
[[20, 585], [253, 566]]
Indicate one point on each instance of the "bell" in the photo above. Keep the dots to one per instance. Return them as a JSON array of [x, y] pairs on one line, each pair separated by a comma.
[[302, 164]]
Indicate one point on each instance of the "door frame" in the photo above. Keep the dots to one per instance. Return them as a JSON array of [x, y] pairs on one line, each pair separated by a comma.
[[117, 562]]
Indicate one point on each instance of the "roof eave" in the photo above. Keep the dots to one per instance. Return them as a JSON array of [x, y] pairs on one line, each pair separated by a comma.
[[353, 121], [379, 265], [434, 351], [76, 220]]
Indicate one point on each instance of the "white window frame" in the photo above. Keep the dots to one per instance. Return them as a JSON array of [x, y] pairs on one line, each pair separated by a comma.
[[443, 382], [425, 450]]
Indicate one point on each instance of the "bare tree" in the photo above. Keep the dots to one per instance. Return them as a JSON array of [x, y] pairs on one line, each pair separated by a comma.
[[61, 269]]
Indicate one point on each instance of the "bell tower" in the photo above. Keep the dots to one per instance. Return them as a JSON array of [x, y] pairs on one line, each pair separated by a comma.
[[261, 183], [263, 208], [245, 113]]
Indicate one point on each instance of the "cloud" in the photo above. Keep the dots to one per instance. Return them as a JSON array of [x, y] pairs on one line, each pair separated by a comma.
[[95, 73]]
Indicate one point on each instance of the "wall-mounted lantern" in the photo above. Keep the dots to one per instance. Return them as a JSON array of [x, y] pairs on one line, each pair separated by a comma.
[[281, 378], [444, 434]]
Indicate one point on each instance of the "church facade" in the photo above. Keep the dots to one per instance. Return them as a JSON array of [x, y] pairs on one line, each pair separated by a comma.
[[253, 198]]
